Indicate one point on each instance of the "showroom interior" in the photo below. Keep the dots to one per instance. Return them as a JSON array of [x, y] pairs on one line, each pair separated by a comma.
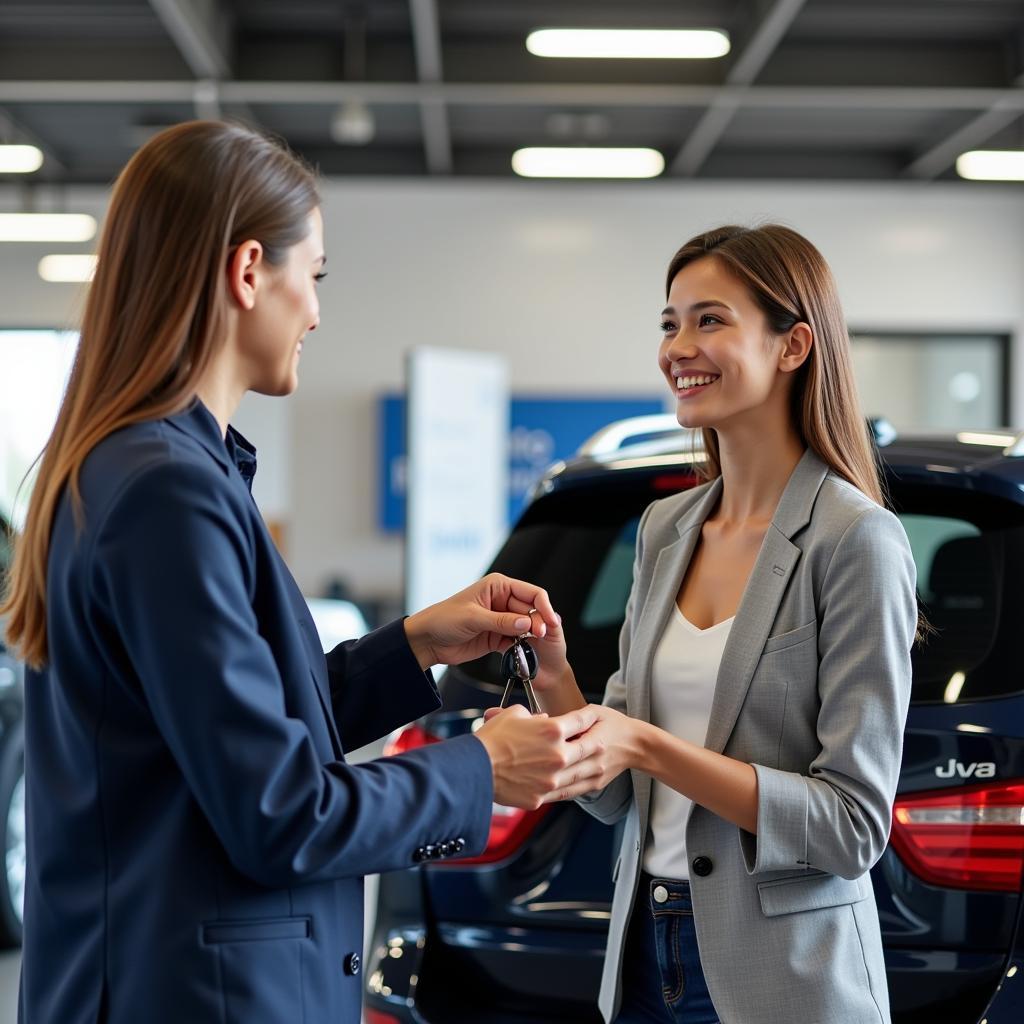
[[500, 204]]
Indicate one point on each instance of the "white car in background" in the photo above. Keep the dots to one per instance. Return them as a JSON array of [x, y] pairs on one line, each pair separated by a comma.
[[336, 621]]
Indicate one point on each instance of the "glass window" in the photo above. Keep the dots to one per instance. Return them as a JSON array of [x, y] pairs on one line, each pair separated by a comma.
[[970, 582], [933, 382], [36, 364], [606, 603]]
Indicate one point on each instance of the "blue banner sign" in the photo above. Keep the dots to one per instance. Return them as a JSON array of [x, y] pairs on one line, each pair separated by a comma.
[[541, 431]]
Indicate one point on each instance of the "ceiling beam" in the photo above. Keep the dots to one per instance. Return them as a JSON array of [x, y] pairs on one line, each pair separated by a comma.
[[201, 32], [778, 16], [519, 94], [942, 155], [426, 36], [12, 130]]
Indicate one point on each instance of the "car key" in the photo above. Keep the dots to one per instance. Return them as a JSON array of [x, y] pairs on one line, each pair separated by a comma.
[[520, 664]]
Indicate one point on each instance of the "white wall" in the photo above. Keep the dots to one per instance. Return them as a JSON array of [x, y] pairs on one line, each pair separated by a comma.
[[568, 280]]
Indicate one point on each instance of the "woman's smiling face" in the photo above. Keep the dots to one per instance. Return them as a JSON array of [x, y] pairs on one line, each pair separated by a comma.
[[717, 352]]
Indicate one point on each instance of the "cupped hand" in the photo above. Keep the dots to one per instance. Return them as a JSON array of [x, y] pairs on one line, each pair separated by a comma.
[[535, 755], [616, 742]]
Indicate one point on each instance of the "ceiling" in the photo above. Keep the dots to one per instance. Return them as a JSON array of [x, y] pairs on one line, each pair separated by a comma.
[[812, 89]]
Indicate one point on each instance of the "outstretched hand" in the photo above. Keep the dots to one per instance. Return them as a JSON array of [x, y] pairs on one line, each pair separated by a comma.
[[478, 620]]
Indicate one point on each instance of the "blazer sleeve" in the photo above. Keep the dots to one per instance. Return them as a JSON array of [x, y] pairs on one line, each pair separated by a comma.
[[172, 571], [377, 685], [612, 802], [837, 816]]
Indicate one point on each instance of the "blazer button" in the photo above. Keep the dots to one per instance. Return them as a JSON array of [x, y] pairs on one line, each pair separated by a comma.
[[460, 844], [702, 866], [446, 848], [352, 964]]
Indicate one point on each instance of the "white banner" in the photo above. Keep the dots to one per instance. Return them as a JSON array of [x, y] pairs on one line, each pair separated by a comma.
[[457, 426]]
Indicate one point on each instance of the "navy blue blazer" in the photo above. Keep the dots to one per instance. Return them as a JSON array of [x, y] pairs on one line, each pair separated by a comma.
[[196, 841]]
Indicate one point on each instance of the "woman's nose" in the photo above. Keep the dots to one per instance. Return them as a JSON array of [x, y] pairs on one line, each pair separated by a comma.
[[680, 347]]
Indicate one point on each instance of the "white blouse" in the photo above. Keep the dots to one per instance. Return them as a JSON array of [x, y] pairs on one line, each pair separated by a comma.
[[683, 677]]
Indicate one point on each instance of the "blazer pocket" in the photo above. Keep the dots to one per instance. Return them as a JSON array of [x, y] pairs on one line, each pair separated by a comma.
[[807, 892], [261, 930], [781, 641]]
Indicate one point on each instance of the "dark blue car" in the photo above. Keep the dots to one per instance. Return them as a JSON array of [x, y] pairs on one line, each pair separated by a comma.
[[518, 934]]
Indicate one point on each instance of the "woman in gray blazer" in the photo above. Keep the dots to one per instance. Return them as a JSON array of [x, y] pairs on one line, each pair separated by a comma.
[[752, 734]]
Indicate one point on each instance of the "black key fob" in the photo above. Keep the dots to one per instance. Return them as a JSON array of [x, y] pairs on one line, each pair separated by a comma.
[[520, 661]]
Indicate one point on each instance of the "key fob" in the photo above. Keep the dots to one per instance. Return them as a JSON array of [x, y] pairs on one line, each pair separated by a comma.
[[520, 661]]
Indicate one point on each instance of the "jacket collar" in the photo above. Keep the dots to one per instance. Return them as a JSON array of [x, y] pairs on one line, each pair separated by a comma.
[[793, 512], [233, 450]]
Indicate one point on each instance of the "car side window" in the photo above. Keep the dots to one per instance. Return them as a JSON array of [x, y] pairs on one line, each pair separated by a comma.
[[605, 604]]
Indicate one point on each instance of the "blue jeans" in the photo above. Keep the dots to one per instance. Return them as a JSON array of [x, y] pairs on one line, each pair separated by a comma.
[[662, 978]]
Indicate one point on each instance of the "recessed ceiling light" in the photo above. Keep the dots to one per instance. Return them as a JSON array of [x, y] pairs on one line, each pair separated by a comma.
[[46, 227], [648, 44], [20, 159], [991, 165], [68, 267], [587, 162]]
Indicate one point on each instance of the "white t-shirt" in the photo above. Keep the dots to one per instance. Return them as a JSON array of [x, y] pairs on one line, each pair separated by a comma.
[[683, 677]]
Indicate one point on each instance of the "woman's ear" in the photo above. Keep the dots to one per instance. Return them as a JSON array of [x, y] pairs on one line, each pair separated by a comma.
[[244, 266], [796, 349]]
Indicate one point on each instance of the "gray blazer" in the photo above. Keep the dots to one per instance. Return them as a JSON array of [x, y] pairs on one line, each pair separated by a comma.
[[812, 691]]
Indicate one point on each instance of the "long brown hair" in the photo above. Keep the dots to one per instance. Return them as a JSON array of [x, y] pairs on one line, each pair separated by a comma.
[[791, 283], [156, 311]]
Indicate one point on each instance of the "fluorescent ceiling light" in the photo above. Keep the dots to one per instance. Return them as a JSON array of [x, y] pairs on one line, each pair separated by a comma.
[[20, 159], [587, 162], [68, 267], [991, 165], [46, 227], [669, 44]]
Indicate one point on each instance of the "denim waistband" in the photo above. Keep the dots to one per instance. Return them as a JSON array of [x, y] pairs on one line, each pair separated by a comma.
[[665, 894]]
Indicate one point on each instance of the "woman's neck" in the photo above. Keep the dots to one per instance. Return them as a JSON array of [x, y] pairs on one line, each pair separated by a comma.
[[221, 390], [757, 461]]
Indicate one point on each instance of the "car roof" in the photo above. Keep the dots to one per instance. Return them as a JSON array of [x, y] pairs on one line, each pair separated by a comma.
[[979, 460]]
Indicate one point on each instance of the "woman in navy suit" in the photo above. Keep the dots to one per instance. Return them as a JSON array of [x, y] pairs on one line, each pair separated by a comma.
[[196, 841]]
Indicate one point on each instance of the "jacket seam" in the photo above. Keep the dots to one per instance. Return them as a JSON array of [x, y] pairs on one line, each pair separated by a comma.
[[839, 544], [864, 959]]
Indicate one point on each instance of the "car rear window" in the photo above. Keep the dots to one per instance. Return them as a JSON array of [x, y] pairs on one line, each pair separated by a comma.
[[968, 548], [969, 551]]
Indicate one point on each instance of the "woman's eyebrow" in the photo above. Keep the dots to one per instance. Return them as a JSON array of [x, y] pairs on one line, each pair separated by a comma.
[[697, 306]]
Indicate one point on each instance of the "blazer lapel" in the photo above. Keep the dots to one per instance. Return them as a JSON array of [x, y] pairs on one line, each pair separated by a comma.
[[669, 570], [754, 618], [762, 597]]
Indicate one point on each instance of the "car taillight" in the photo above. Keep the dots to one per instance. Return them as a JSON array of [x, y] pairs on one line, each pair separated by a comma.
[[510, 826], [376, 1017], [964, 838], [409, 738]]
